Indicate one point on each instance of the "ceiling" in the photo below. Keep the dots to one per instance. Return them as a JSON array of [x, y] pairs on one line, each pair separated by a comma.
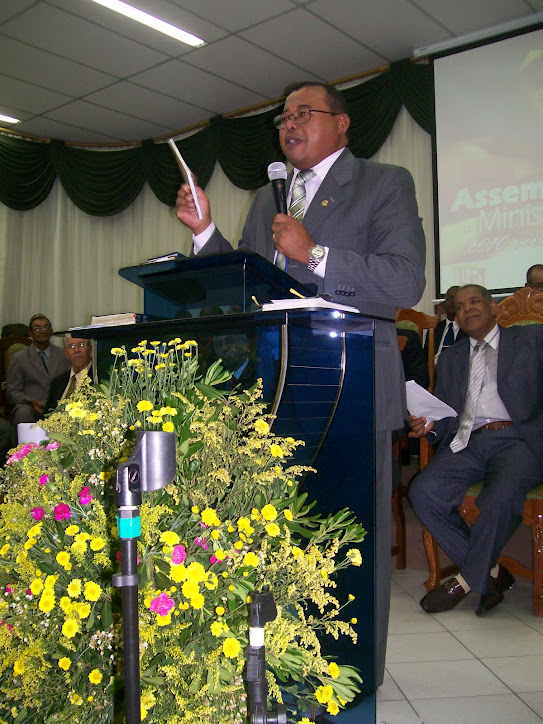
[[73, 70]]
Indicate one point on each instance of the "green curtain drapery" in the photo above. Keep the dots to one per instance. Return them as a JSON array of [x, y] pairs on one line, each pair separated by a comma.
[[103, 183]]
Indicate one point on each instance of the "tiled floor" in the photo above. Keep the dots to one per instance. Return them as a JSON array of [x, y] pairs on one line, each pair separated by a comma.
[[457, 668]]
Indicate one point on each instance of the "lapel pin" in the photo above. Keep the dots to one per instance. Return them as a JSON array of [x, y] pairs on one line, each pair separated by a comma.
[[324, 203]]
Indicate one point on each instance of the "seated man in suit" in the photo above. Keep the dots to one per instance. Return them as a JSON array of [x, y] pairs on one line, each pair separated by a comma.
[[235, 352], [30, 373], [494, 379], [78, 351], [534, 277], [448, 330]]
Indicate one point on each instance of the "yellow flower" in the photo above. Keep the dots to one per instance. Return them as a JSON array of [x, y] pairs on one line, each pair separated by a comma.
[[212, 581], [78, 547], [163, 620], [215, 534], [209, 517], [92, 591], [250, 559], [273, 530], [190, 589], [333, 670], [297, 551], [219, 611], [306, 720], [217, 628], [168, 411], [74, 588], [231, 648], [195, 509], [36, 586], [354, 620], [50, 581], [66, 605], [95, 677], [18, 667], [97, 544], [170, 538], [354, 556], [332, 708], [238, 545], [34, 531], [63, 558], [288, 514], [29, 543], [82, 609], [77, 413], [72, 530], [324, 693], [269, 512], [168, 427], [244, 526], [4, 549], [144, 406], [276, 450], [178, 573], [117, 351], [196, 572], [47, 602], [262, 427], [64, 663], [351, 597], [220, 555], [197, 601], [70, 627]]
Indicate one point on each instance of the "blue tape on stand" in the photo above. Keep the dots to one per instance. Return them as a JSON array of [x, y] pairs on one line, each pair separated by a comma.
[[129, 527]]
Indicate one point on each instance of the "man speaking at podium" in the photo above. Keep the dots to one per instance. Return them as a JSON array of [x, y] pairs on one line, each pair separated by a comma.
[[361, 241]]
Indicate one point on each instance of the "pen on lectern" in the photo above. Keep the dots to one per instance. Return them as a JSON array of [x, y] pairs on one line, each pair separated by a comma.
[[296, 294], [186, 173]]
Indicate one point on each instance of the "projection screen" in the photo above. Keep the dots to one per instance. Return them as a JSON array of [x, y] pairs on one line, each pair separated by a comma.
[[489, 163]]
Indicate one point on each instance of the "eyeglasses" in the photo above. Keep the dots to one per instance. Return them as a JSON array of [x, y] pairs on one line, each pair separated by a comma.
[[302, 115], [75, 345], [41, 328]]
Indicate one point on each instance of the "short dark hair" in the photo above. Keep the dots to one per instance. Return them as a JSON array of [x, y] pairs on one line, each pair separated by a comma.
[[534, 267], [37, 316], [336, 99], [482, 290]]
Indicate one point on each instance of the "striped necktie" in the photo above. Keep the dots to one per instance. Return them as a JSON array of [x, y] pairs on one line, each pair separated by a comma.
[[296, 208], [478, 362]]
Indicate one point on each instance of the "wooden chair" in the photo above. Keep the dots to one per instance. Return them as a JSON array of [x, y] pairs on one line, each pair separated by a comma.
[[525, 306], [9, 345], [419, 322]]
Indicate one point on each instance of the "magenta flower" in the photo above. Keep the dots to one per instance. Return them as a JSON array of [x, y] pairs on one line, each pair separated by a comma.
[[201, 542], [37, 513], [52, 446], [162, 604], [178, 554], [85, 496], [7, 589], [44, 479], [28, 592], [21, 453], [3, 623], [62, 511], [214, 559]]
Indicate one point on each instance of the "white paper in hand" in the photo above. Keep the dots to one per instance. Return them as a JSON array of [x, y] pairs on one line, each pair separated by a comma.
[[422, 403], [186, 173]]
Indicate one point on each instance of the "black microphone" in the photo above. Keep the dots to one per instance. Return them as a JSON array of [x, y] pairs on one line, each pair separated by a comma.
[[277, 173]]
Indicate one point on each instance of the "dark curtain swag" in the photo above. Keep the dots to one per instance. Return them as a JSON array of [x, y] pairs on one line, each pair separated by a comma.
[[103, 183]]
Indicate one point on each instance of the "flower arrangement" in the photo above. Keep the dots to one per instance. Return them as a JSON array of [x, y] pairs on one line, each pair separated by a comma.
[[231, 523]]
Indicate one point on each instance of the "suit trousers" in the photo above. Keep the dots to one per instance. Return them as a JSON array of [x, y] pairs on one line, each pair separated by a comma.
[[507, 467]]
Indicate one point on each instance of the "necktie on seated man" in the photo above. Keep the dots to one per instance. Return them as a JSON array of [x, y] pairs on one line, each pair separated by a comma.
[[448, 339], [44, 360], [296, 208], [477, 371]]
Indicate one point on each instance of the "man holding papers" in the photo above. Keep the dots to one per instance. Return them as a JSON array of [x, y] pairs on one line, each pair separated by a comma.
[[361, 242], [494, 380]]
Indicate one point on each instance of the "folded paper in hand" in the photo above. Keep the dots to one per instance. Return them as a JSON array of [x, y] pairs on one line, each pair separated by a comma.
[[422, 403]]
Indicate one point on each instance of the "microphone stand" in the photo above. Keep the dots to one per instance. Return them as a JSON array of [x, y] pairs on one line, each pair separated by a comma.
[[150, 467], [262, 609]]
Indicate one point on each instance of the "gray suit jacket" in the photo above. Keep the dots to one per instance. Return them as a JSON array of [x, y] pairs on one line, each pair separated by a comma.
[[27, 378], [520, 383], [366, 213]]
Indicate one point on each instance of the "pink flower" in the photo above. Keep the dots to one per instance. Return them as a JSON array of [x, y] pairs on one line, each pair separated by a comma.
[[21, 453], [201, 542], [178, 554], [28, 593], [3, 623], [62, 511], [85, 496], [37, 513], [162, 604], [44, 479], [7, 589], [52, 446]]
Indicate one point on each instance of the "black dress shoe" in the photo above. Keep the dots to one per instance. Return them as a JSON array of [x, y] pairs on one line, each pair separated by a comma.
[[444, 597], [496, 588]]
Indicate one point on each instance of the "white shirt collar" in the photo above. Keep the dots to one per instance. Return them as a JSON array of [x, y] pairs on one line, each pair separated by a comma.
[[322, 168], [492, 338]]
